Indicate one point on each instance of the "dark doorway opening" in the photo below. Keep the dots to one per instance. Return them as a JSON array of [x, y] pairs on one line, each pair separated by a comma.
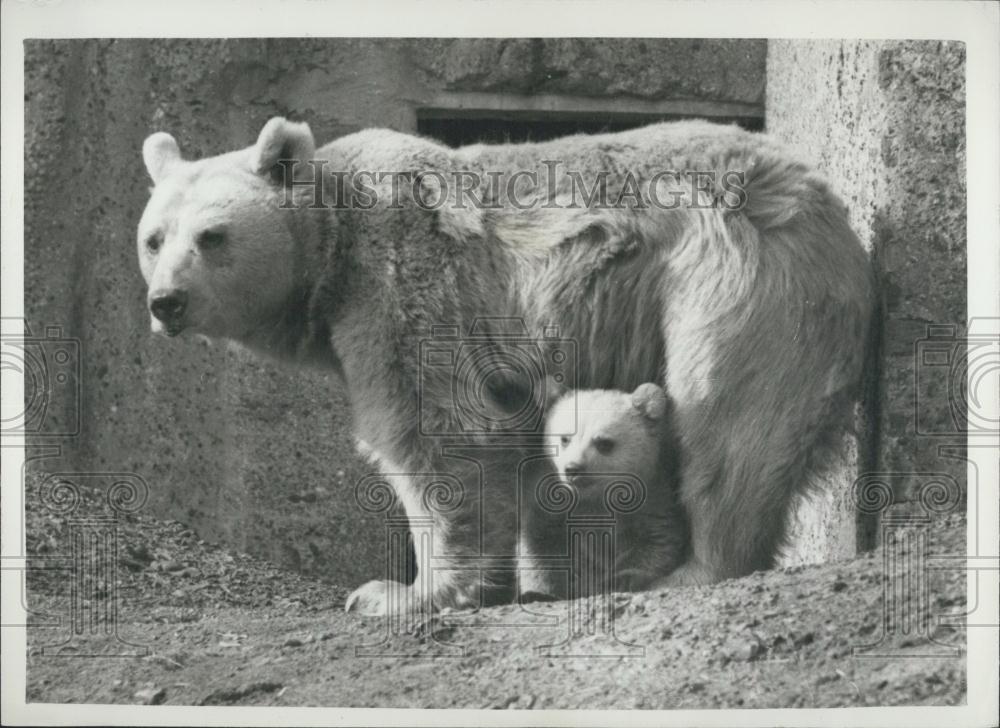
[[458, 128]]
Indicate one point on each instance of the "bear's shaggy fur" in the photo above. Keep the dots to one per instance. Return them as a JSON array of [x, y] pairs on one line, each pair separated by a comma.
[[617, 458], [755, 318]]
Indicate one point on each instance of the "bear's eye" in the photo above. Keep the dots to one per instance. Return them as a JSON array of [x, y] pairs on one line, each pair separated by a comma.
[[564, 440], [153, 242], [604, 445], [209, 239]]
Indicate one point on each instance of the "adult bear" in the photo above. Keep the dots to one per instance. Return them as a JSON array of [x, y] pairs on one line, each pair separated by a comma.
[[691, 254]]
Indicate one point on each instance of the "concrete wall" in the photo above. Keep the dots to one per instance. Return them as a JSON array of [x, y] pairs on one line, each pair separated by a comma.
[[249, 454], [885, 120]]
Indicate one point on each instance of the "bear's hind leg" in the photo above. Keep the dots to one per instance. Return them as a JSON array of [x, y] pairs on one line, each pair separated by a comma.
[[738, 485]]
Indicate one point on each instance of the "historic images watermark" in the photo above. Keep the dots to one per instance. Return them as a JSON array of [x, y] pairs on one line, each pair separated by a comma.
[[556, 185], [951, 375], [48, 413], [90, 624], [586, 566], [50, 366], [908, 623]]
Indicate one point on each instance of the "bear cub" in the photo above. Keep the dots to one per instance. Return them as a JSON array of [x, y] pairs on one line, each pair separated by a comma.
[[617, 454]]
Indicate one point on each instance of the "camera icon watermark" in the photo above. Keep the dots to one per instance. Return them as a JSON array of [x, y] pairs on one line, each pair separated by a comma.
[[50, 366], [492, 380], [952, 372]]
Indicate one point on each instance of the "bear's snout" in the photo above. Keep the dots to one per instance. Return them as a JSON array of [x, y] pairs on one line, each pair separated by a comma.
[[169, 307]]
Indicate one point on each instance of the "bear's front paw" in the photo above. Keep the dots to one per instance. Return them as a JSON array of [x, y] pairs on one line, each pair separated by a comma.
[[378, 598], [369, 599]]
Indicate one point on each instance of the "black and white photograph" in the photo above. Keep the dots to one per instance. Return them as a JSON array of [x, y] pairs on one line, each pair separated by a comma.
[[554, 363]]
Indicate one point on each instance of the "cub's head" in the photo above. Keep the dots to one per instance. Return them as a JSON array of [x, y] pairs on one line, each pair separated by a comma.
[[610, 431], [216, 249]]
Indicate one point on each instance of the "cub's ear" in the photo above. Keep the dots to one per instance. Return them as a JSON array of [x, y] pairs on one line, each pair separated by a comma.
[[281, 139], [160, 152], [651, 400]]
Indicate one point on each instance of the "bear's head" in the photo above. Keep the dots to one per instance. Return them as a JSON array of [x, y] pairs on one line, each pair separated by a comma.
[[219, 253], [609, 431]]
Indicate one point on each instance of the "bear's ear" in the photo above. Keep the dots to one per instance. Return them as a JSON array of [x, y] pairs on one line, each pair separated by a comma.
[[651, 400], [282, 139], [160, 152]]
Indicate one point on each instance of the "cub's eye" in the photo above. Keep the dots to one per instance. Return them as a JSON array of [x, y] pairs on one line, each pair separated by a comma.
[[604, 445], [209, 239], [564, 440], [153, 242]]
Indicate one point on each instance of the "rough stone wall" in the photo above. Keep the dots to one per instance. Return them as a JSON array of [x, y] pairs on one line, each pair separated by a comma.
[[718, 70], [885, 120], [247, 453]]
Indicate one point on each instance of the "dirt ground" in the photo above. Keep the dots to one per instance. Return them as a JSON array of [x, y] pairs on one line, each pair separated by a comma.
[[205, 626]]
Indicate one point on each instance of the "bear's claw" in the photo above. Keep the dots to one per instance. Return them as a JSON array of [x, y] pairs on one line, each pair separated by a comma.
[[381, 598]]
